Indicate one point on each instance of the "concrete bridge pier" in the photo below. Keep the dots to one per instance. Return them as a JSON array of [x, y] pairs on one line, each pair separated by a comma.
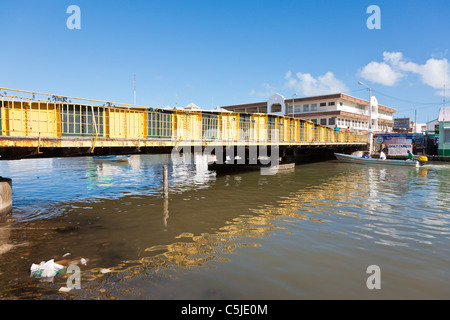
[[237, 158], [5, 197]]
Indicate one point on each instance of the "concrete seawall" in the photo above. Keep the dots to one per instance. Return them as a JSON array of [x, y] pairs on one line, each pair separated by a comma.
[[5, 196]]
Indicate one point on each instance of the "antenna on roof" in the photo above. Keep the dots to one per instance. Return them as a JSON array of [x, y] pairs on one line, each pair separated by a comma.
[[445, 78], [444, 96]]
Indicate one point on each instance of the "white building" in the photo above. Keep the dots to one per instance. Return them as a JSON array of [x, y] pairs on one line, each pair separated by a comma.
[[431, 125], [330, 110]]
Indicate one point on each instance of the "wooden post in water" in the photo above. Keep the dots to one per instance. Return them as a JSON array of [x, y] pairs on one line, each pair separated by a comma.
[[165, 182]]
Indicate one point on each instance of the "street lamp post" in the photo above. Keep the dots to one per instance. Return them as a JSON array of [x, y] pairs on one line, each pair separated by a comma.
[[293, 105], [369, 131]]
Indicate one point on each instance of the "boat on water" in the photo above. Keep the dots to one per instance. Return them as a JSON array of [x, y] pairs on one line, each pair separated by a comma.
[[393, 162], [113, 158]]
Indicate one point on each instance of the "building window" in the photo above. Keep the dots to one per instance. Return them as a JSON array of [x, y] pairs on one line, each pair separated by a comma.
[[314, 120], [331, 103], [245, 126], [298, 109], [323, 104], [314, 107], [332, 121], [305, 107], [209, 126], [446, 136], [289, 110], [275, 107], [323, 121]]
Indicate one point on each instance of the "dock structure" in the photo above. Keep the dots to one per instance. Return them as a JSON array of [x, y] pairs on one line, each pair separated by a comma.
[[40, 124]]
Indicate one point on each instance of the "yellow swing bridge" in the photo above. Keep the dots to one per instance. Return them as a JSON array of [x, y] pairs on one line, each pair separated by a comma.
[[32, 123]]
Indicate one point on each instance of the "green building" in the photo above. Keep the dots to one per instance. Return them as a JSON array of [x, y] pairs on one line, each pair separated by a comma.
[[444, 131]]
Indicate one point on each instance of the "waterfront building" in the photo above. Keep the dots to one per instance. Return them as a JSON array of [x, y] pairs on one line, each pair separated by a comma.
[[444, 131], [431, 126], [341, 110]]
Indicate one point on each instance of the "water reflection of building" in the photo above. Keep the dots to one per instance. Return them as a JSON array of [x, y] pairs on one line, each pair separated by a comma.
[[443, 197]]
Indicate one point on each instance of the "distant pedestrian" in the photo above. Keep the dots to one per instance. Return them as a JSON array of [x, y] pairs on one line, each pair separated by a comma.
[[336, 133], [410, 156]]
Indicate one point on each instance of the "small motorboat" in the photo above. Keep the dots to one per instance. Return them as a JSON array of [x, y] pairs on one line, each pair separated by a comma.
[[113, 158], [394, 162]]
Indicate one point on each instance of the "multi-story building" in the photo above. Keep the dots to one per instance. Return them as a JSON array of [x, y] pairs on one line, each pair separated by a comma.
[[331, 110]]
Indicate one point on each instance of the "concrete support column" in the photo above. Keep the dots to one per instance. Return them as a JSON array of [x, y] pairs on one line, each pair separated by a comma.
[[5, 196]]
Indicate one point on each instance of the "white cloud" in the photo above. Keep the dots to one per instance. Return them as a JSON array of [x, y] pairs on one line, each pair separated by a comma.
[[392, 58], [434, 73], [306, 84], [380, 72], [269, 90]]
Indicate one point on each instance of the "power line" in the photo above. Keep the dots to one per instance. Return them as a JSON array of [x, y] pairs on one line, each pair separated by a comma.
[[404, 100], [355, 90]]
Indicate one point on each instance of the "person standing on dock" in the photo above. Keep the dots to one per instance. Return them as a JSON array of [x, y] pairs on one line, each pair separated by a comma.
[[382, 155], [410, 156]]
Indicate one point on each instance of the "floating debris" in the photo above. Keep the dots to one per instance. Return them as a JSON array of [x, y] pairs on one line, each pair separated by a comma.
[[46, 270]]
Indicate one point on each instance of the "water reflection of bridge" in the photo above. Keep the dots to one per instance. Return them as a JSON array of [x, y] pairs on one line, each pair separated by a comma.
[[200, 248]]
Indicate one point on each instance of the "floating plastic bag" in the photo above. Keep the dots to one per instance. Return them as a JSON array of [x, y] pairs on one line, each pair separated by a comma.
[[47, 269]]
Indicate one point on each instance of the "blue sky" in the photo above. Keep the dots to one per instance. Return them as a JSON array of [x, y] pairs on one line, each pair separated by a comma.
[[217, 53]]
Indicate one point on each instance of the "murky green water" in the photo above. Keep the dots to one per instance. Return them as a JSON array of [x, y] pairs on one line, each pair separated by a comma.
[[308, 233]]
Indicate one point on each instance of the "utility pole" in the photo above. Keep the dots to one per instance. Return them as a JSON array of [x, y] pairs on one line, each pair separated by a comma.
[[415, 120], [293, 105], [370, 129]]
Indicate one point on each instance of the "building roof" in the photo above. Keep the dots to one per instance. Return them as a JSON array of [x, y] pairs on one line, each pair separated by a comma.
[[192, 106], [444, 114], [247, 105], [314, 98]]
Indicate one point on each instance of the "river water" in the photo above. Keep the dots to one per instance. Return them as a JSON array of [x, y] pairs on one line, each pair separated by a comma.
[[306, 233]]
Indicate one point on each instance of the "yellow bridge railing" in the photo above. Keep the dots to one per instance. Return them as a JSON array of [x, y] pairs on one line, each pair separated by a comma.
[[29, 118]]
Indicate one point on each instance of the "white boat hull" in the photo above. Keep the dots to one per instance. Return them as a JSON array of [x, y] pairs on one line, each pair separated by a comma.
[[355, 159], [119, 158]]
